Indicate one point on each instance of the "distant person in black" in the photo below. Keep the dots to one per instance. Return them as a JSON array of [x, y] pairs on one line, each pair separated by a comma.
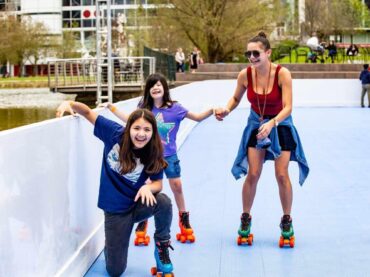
[[332, 48], [365, 81], [352, 51]]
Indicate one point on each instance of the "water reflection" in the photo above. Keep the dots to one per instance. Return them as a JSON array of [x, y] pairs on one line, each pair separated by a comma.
[[19, 107]]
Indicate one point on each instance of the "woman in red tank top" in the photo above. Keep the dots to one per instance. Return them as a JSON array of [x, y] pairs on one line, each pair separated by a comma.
[[269, 90]]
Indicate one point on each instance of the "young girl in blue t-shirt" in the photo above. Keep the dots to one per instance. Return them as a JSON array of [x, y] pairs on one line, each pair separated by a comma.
[[168, 114], [131, 155]]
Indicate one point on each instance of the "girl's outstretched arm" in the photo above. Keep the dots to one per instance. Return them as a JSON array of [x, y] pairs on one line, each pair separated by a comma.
[[147, 191], [120, 114], [200, 116], [73, 107], [234, 101]]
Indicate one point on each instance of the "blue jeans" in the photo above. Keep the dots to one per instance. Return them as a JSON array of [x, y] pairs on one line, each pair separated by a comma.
[[173, 169], [118, 228]]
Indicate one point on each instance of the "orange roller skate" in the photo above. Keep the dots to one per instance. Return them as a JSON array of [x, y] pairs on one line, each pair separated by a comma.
[[287, 232], [141, 237], [186, 232], [244, 232]]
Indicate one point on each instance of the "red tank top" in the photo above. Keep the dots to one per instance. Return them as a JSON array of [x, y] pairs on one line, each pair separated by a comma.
[[274, 100]]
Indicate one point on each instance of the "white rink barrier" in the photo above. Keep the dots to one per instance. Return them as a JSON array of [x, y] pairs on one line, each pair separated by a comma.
[[49, 179]]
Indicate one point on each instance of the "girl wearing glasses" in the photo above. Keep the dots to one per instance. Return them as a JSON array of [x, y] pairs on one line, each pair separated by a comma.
[[269, 134]]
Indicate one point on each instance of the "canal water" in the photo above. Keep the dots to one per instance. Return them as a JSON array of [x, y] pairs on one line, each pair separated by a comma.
[[25, 106]]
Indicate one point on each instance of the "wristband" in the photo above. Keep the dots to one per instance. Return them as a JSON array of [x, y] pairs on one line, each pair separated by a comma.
[[113, 109]]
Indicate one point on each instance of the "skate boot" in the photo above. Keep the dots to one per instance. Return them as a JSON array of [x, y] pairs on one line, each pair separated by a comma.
[[186, 232], [245, 237], [287, 232], [164, 266], [141, 237]]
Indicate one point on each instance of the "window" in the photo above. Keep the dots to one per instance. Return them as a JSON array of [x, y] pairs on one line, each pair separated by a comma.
[[88, 2], [87, 23], [76, 23], [66, 14], [66, 3], [76, 14], [76, 2]]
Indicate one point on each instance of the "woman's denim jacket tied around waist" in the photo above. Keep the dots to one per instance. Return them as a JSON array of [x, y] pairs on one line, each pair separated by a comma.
[[240, 167]]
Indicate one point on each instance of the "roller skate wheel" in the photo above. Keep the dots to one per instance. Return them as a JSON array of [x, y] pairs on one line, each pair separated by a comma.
[[239, 241], [250, 240], [178, 236], [292, 242], [182, 239], [191, 238], [281, 242], [153, 271], [147, 240]]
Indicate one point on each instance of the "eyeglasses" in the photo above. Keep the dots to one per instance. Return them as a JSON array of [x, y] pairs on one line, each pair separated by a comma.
[[255, 54]]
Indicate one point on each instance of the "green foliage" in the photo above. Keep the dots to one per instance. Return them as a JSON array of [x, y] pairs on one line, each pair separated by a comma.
[[335, 16], [67, 48], [219, 28]]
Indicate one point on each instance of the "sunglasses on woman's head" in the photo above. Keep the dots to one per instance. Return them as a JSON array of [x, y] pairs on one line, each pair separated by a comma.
[[255, 54]]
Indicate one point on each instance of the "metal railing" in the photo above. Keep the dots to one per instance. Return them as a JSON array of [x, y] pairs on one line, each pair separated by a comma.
[[82, 73]]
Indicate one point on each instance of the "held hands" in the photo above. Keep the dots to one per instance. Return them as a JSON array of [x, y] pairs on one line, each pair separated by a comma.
[[66, 106], [221, 113], [146, 195]]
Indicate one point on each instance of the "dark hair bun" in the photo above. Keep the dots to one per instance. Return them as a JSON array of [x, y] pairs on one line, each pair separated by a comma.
[[262, 34]]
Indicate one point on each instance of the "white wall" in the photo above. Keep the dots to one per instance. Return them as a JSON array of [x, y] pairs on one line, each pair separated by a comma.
[[46, 11], [49, 179]]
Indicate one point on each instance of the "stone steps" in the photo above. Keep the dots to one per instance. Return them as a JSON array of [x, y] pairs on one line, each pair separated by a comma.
[[299, 71]]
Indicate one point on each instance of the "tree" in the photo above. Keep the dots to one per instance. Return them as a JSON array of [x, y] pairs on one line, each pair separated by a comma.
[[219, 28], [335, 16], [21, 40], [67, 47]]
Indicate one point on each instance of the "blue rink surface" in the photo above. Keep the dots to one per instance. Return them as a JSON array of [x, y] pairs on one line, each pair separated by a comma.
[[331, 211]]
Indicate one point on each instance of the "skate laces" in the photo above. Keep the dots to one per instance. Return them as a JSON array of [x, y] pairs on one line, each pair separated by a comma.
[[286, 222], [184, 218], [163, 252], [141, 226], [246, 221]]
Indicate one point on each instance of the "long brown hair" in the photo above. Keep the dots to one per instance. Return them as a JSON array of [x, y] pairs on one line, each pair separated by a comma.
[[151, 155], [146, 101]]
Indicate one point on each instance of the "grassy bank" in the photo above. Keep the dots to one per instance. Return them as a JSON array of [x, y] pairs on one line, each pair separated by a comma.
[[24, 82]]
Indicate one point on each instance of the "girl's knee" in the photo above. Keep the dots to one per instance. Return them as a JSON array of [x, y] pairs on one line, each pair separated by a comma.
[[163, 200]]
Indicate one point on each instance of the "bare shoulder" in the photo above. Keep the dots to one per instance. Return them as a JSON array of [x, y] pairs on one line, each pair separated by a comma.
[[284, 74], [242, 77], [284, 71]]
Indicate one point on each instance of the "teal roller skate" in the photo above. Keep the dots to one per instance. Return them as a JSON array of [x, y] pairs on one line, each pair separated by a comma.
[[162, 257], [287, 232], [245, 237]]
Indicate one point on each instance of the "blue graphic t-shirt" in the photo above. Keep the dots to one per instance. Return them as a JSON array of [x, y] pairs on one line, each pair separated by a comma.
[[117, 192], [168, 122]]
